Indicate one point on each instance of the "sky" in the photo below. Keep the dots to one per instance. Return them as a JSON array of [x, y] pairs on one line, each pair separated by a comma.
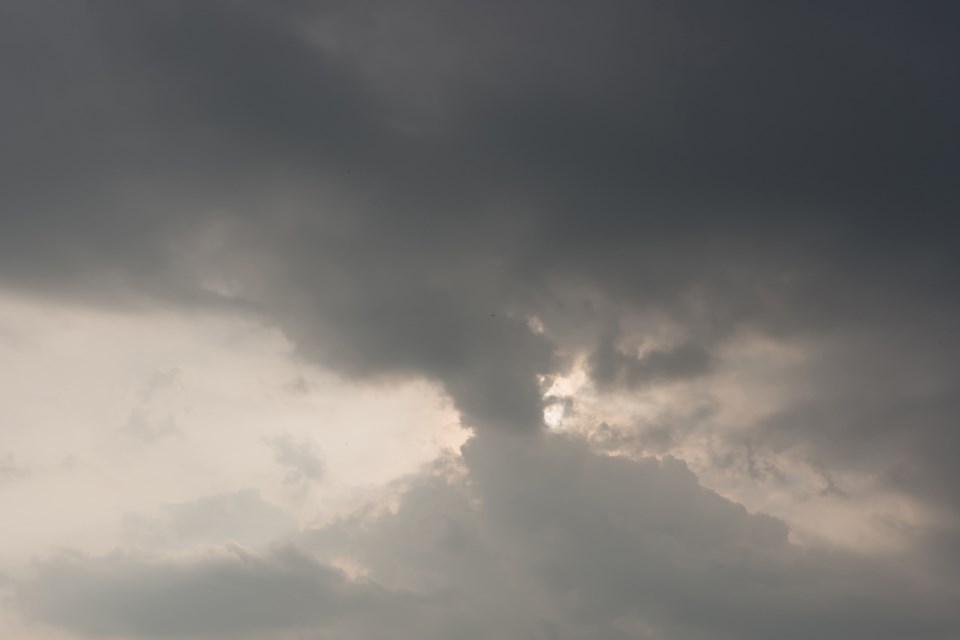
[[536, 320]]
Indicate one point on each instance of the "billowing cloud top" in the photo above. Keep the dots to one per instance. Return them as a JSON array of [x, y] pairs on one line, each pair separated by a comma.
[[615, 235]]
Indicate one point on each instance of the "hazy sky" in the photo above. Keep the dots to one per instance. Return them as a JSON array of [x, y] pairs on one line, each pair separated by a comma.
[[533, 320]]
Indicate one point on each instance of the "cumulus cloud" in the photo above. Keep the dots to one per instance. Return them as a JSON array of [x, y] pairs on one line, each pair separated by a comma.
[[538, 539]]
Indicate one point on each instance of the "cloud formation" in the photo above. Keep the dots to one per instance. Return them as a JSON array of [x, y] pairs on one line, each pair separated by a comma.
[[496, 197], [302, 463], [538, 539], [388, 209]]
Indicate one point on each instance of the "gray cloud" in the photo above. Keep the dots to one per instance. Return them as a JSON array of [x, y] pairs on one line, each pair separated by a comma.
[[10, 469], [610, 366], [145, 422], [300, 460], [142, 426], [366, 207], [541, 539], [241, 516], [237, 594], [398, 186], [883, 402]]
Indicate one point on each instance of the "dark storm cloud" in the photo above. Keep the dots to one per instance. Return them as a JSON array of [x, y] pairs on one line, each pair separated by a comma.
[[610, 366], [397, 185], [541, 539], [884, 402]]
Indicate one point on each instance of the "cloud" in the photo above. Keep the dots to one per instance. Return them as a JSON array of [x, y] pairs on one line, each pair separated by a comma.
[[610, 366], [10, 470], [143, 426], [242, 516], [380, 205], [539, 538], [400, 188], [302, 463], [236, 593], [152, 416]]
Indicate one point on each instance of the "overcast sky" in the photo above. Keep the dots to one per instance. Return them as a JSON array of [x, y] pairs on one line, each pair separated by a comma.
[[432, 319]]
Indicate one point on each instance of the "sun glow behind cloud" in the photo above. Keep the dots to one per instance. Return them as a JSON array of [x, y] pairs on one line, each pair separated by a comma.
[[707, 425]]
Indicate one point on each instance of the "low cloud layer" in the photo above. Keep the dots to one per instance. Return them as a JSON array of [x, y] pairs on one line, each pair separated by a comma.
[[536, 540]]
